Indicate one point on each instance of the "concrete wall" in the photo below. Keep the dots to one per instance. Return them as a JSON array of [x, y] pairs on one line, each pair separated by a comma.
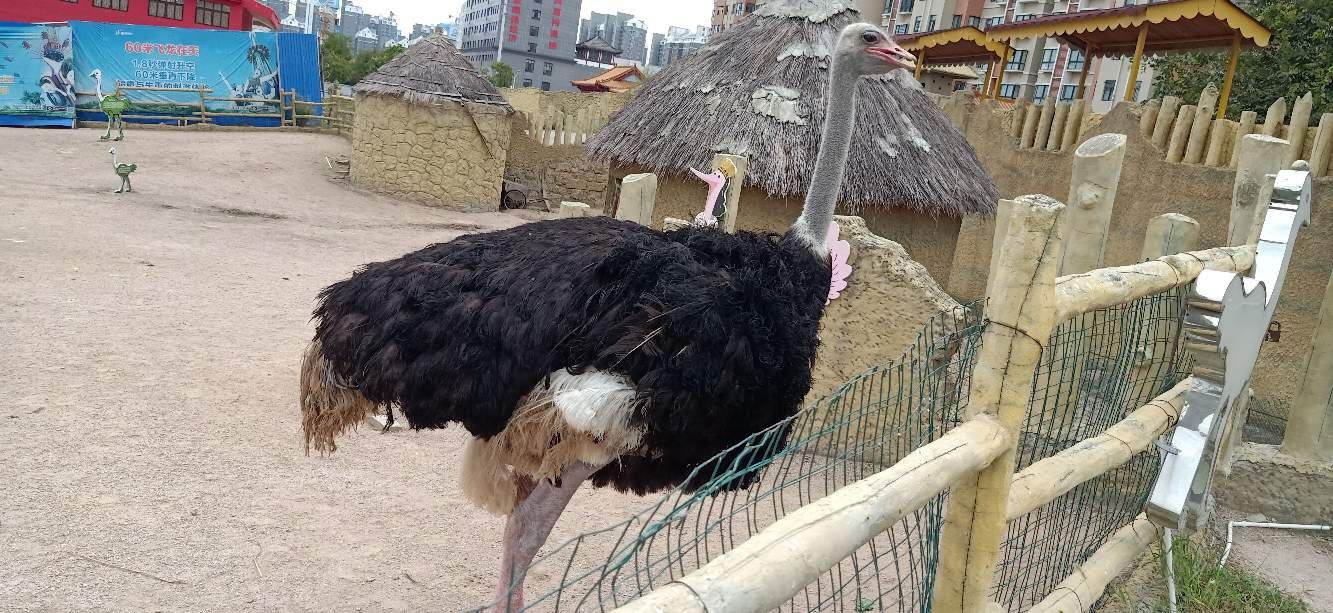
[[1149, 187], [443, 155], [536, 102], [929, 240]]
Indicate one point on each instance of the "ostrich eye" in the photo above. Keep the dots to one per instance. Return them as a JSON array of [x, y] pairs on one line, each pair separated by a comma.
[[870, 38]]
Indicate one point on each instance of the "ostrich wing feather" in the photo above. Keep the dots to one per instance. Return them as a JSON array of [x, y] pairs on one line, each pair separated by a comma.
[[597, 402], [839, 251]]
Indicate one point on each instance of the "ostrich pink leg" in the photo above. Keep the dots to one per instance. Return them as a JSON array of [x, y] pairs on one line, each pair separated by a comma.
[[528, 526]]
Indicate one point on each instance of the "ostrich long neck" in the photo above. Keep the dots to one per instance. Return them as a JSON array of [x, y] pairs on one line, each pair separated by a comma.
[[97, 84], [113, 161], [834, 146]]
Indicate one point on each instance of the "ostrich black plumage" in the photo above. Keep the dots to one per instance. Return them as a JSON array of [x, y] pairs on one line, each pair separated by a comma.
[[589, 348]]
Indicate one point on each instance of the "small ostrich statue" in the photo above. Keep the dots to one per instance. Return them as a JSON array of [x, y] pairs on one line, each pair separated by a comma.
[[590, 348], [114, 105], [715, 207], [123, 171]]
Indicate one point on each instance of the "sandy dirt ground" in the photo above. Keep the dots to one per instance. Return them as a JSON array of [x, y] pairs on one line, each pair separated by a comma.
[[150, 454]]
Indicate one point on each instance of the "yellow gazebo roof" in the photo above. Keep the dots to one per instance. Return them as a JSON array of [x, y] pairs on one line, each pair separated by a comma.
[[965, 45], [1176, 25]]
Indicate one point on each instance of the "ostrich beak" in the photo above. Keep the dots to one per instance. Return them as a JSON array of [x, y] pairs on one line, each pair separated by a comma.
[[702, 176], [894, 55]]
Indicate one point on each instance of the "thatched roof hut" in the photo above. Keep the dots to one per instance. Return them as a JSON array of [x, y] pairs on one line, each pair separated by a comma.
[[430, 72], [760, 90], [430, 128]]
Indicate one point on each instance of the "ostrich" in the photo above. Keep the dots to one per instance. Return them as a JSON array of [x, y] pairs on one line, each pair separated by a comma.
[[589, 348], [123, 171], [113, 105]]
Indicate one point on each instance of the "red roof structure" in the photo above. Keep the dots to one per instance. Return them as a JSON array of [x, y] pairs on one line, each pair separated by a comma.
[[215, 15], [618, 79]]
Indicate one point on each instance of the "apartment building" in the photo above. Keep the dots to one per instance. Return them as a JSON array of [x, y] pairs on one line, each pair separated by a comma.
[[368, 32], [1039, 68], [727, 13], [538, 37], [622, 30], [678, 43]]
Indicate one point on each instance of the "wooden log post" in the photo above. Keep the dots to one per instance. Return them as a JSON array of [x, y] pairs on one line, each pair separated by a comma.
[[1277, 112], [1057, 136], [1149, 117], [1020, 309], [1203, 118], [1243, 129], [1169, 234], [638, 194], [1180, 134], [1030, 120], [1044, 124], [1166, 116], [1073, 125], [1322, 150], [1309, 433], [1259, 155], [734, 187], [1300, 122], [1092, 189], [1218, 138], [1016, 120], [1085, 586]]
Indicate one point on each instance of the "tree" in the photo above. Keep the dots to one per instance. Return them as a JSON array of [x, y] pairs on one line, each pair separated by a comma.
[[341, 65], [1298, 59], [502, 74]]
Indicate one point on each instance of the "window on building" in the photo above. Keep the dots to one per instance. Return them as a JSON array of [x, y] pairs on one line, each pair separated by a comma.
[[974, 21], [1018, 18], [548, 68], [546, 86], [535, 31], [532, 47], [994, 21], [115, 5], [527, 82], [212, 14], [916, 25], [906, 6], [1067, 92], [957, 21], [1048, 58], [529, 65], [1018, 60], [536, 13], [1075, 60], [1039, 93], [1009, 91], [167, 9], [959, 86], [900, 28], [931, 24], [1108, 90]]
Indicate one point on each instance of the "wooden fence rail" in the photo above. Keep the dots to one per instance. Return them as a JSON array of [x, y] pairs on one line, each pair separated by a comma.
[[289, 110]]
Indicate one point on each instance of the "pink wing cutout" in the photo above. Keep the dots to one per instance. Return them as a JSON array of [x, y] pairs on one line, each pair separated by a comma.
[[839, 251]]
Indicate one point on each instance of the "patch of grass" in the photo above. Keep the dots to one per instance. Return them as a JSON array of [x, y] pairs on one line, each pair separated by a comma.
[[1202, 587]]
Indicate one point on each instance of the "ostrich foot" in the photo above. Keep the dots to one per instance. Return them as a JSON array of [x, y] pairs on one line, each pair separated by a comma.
[[104, 137], [527, 528]]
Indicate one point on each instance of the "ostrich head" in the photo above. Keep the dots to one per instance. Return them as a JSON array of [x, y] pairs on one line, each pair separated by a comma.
[[96, 74], [112, 151], [869, 51]]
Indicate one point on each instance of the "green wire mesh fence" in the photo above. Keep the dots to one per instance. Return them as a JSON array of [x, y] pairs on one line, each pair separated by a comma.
[[1098, 368]]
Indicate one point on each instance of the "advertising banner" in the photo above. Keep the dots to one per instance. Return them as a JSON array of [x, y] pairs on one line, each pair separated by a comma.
[[36, 75], [238, 71]]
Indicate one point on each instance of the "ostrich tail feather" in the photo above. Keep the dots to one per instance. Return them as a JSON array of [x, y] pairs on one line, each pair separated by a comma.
[[329, 406]]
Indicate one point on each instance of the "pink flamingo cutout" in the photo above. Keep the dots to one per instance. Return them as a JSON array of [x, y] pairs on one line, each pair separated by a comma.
[[839, 252]]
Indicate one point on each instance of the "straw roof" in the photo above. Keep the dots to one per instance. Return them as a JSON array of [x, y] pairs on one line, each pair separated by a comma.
[[430, 72], [759, 90]]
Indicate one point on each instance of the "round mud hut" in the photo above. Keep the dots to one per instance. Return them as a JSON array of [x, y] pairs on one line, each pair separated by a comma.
[[760, 90], [429, 128]]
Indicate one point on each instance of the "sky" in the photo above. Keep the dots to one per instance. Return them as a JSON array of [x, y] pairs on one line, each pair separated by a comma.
[[657, 14]]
